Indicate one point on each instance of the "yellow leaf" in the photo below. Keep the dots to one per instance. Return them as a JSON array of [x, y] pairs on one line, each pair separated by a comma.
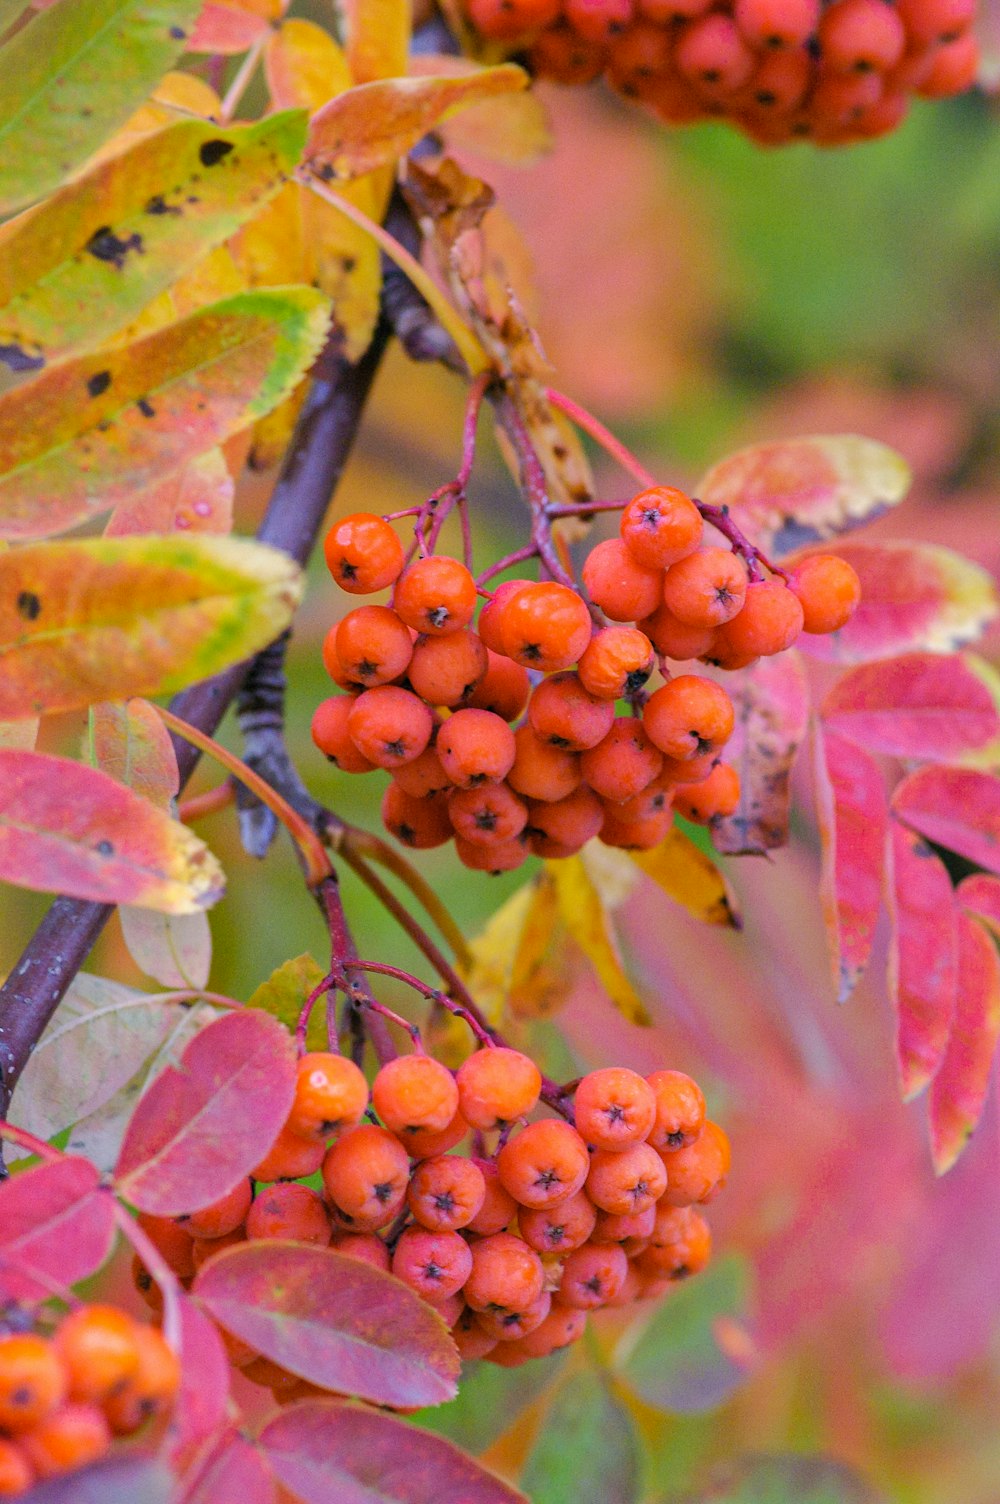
[[585, 917], [304, 66], [271, 434], [493, 951], [690, 878], [538, 985], [271, 249], [175, 95], [378, 38], [346, 263]]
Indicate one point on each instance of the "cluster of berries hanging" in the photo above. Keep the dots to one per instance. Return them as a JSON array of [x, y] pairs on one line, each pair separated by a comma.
[[780, 70], [513, 1247], [431, 700], [66, 1391]]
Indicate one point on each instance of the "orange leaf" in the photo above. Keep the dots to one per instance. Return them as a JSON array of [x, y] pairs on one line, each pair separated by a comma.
[[131, 744], [958, 1091], [231, 26], [375, 123], [378, 38], [67, 828], [197, 498], [304, 66]]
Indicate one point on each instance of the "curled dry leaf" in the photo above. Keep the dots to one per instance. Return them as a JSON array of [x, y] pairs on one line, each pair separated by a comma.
[[332, 1320], [66, 828], [93, 618], [203, 1125], [583, 913], [771, 701], [798, 491]]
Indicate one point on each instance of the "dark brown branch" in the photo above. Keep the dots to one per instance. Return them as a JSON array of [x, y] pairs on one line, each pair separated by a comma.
[[316, 456]]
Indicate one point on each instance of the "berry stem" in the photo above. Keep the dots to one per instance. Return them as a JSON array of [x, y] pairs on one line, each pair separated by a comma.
[[519, 556], [603, 436], [241, 81], [342, 950], [366, 845], [433, 995], [209, 803]]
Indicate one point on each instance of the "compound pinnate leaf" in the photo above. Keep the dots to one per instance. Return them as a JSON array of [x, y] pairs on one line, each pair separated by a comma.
[[798, 491], [71, 77], [231, 26], [204, 1124], [304, 66], [67, 828], [195, 498], [583, 912], [57, 1224], [958, 808], [115, 1480], [321, 1450], [587, 1422], [237, 1470], [83, 435], [980, 895], [201, 1404], [373, 124], [780, 1480], [920, 705], [923, 956], [333, 1321], [853, 822], [771, 701], [164, 202], [677, 1363], [129, 741], [690, 878], [90, 618], [958, 1091], [914, 597]]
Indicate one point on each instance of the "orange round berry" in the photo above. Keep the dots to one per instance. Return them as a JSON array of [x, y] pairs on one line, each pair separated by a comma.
[[707, 588], [563, 1326], [591, 1276], [562, 713], [365, 1247], [504, 689], [171, 1241], [681, 1244], [389, 725], [435, 1264], [641, 833], [16, 1473], [421, 1143], [204, 1249], [415, 1092], [436, 595], [222, 1216], [330, 1092], [623, 763], [627, 1180], [627, 1229], [616, 663], [332, 737], [541, 771], [372, 645], [506, 1274], [366, 1173], [770, 620], [363, 553], [509, 1326], [475, 747], [289, 1210], [291, 1157], [445, 1192], [98, 1349], [680, 1110], [545, 626], [470, 1339], [698, 1171], [67, 1439], [544, 1164], [33, 1381], [146, 1284], [418, 823], [675, 639], [487, 815], [152, 1388], [499, 1207], [497, 857], [829, 591], [565, 825], [689, 716], [446, 670], [618, 584], [613, 1108], [714, 798], [423, 776], [489, 625], [561, 1228], [496, 1086], [661, 526]]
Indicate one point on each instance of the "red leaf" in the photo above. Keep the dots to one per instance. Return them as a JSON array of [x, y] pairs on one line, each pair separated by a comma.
[[958, 808], [922, 956], [231, 26], [203, 1126], [958, 1091], [853, 820], [772, 712], [237, 1471], [332, 1320], [322, 1450], [980, 894], [920, 705], [913, 596], [115, 1480], [200, 1407], [55, 1221]]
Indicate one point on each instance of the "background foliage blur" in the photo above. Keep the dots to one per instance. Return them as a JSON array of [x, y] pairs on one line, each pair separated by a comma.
[[698, 293]]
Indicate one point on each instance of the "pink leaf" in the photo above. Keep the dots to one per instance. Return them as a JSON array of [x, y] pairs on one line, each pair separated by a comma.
[[980, 894], [958, 808], [922, 956], [920, 705], [203, 1126], [197, 497], [332, 1320], [232, 26], [853, 820], [958, 1091], [323, 1451], [55, 1222], [130, 743], [913, 596], [772, 712], [116, 1480], [200, 1408], [235, 1474]]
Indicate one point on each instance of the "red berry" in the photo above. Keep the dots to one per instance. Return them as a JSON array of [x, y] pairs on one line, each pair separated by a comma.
[[363, 553]]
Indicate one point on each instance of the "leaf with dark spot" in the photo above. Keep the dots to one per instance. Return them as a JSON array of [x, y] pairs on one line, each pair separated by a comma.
[[98, 383], [107, 246], [214, 151]]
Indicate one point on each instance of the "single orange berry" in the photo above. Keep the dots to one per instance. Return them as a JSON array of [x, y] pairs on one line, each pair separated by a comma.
[[563, 1326], [713, 799], [366, 1172], [689, 716], [415, 1092], [561, 1228], [499, 1207], [16, 1473], [389, 725], [613, 1108], [616, 663], [222, 1216], [470, 1339], [506, 1274], [541, 771], [152, 1388], [366, 1247], [373, 646], [661, 526], [509, 1326], [435, 1264], [545, 626], [330, 1092], [564, 714], [445, 1192], [769, 622], [675, 639], [698, 1172], [331, 735], [289, 1210], [641, 833], [624, 763], [171, 1240], [618, 584], [98, 1348], [544, 1164], [591, 1276], [363, 553], [423, 776], [418, 823], [489, 625], [829, 592], [291, 1157], [476, 747], [504, 688], [707, 588], [627, 1180], [497, 857], [421, 1143], [565, 825], [447, 670], [488, 814], [680, 1110], [33, 1381], [67, 1439], [436, 595], [496, 1086]]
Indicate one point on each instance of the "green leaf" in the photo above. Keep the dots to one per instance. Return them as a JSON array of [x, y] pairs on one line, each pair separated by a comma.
[[88, 433], [93, 618], [286, 989], [489, 1401], [677, 1361], [785, 1480], [164, 202], [587, 1450], [72, 77]]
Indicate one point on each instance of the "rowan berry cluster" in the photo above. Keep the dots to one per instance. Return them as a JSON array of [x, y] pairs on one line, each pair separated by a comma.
[[512, 1247], [431, 699], [780, 70], [66, 1391]]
